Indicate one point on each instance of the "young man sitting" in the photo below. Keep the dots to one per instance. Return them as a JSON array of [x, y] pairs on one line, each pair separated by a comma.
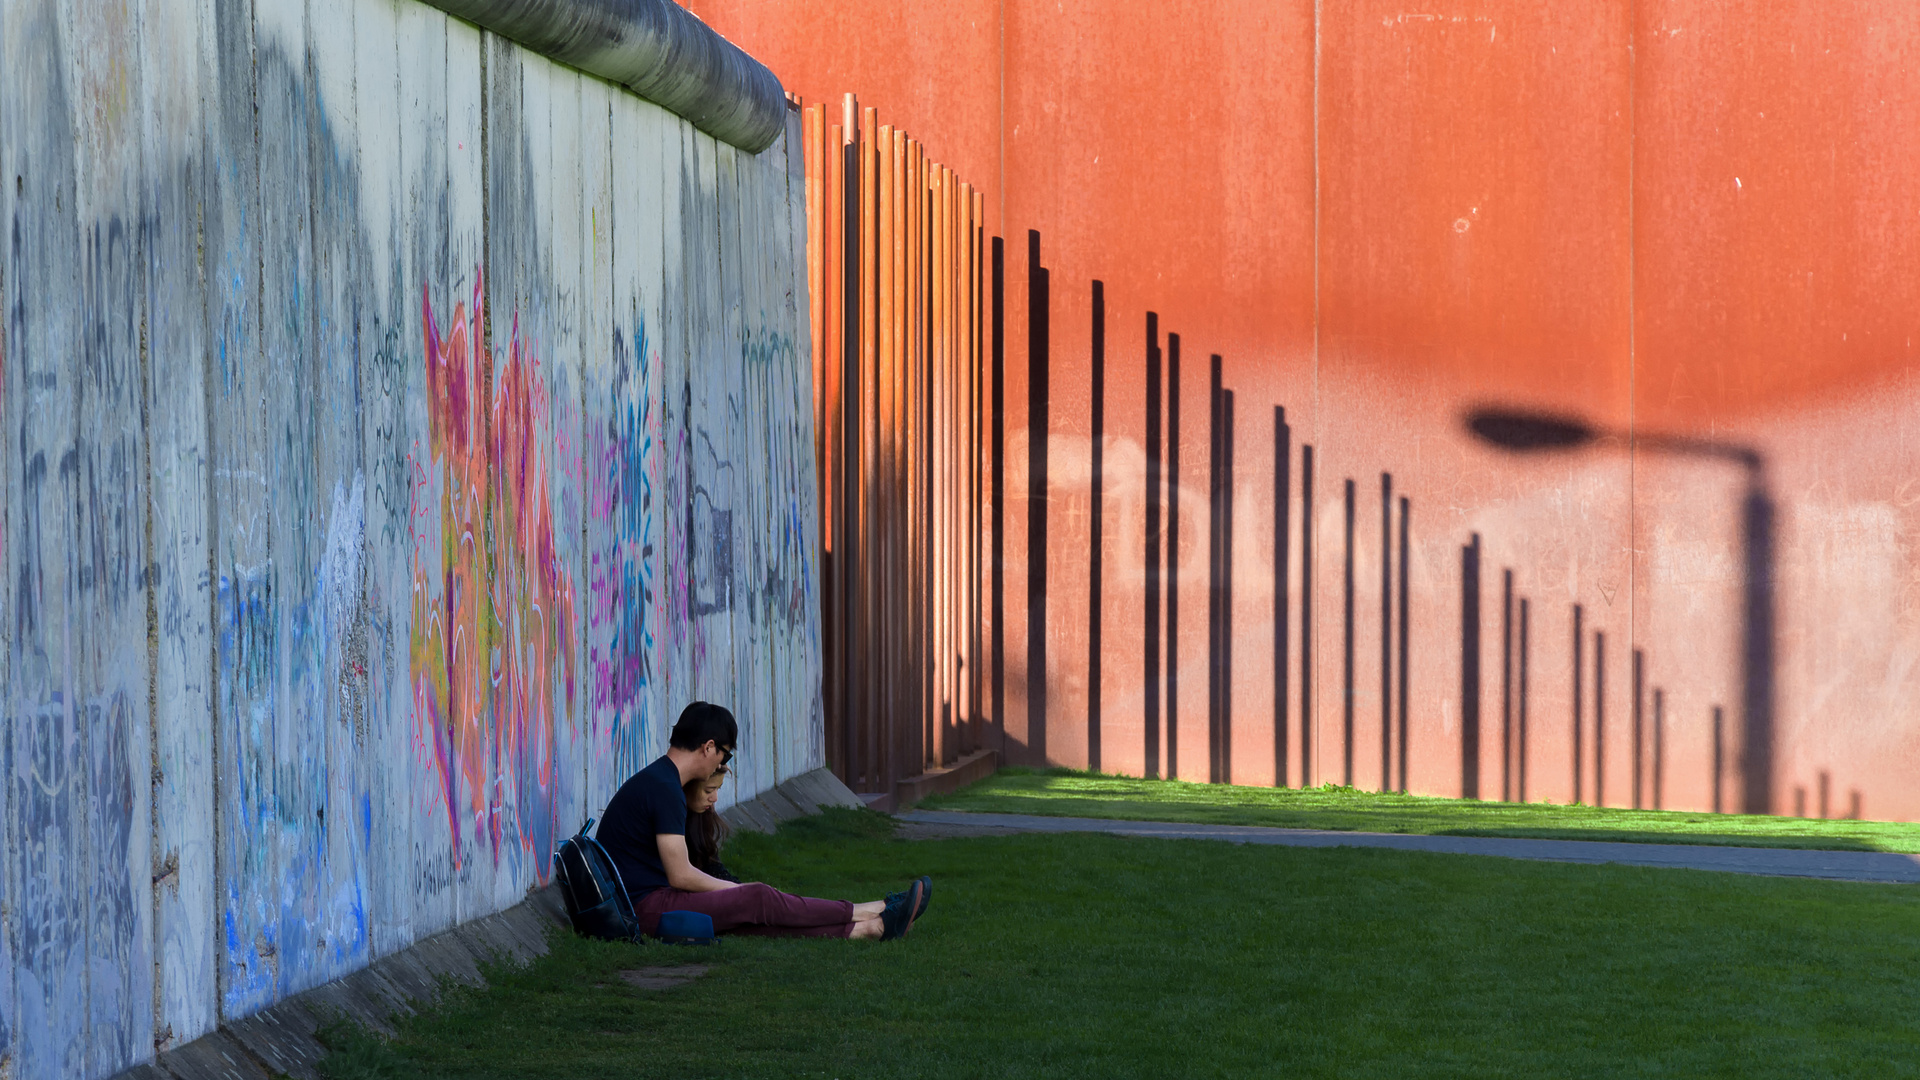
[[645, 832]]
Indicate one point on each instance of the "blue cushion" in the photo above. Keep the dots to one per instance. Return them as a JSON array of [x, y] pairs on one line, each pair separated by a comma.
[[685, 927]]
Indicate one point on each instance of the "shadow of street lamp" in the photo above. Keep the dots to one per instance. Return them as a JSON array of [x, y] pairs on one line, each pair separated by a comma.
[[1521, 431]]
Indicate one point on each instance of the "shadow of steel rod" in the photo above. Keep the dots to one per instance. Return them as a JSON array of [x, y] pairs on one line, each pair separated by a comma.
[[1524, 431]]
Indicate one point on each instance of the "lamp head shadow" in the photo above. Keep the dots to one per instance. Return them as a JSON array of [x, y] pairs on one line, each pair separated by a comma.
[[1527, 431], [1518, 431]]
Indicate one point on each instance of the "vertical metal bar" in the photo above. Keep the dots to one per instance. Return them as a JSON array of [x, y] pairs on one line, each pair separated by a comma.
[[1579, 696], [1173, 557], [1470, 669], [1216, 533], [1599, 718], [970, 465], [956, 493], [1038, 390], [1506, 685], [1719, 759], [1096, 497], [1521, 793], [887, 486], [1406, 508], [949, 495], [1346, 644], [1306, 615], [1282, 497], [942, 419], [911, 719], [854, 392], [976, 463], [1660, 750], [1226, 603], [926, 370], [879, 767], [831, 239], [909, 428], [913, 714], [956, 439], [1386, 631], [998, 585], [1639, 711], [1151, 704], [811, 143]]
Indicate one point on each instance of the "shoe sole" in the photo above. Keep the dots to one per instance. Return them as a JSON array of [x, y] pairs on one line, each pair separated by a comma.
[[919, 894]]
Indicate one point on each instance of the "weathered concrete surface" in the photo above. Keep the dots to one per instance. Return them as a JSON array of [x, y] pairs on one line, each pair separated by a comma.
[[399, 428], [974, 767], [1871, 866]]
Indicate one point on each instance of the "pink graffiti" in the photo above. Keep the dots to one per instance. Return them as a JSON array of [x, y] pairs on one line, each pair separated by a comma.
[[493, 622]]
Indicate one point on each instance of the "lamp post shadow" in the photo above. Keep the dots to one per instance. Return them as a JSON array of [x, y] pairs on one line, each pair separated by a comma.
[[1522, 431]]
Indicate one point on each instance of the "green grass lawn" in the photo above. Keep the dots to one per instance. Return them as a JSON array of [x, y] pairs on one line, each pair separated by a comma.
[[1085, 955], [1066, 793]]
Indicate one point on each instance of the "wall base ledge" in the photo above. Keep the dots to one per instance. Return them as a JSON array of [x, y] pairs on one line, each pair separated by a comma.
[[283, 1038]]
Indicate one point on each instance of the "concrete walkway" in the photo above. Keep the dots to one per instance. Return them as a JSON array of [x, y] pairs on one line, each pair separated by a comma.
[[1874, 866]]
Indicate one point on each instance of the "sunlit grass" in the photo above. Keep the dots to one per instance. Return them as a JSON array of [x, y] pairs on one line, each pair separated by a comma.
[[1067, 793], [1086, 955]]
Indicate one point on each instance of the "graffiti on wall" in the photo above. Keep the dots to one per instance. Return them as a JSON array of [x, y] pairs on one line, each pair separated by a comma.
[[622, 505], [492, 644]]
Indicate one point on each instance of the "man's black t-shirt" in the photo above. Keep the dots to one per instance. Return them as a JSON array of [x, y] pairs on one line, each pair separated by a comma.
[[648, 804]]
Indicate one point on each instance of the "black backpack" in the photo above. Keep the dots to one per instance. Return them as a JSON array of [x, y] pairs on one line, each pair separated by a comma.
[[596, 898]]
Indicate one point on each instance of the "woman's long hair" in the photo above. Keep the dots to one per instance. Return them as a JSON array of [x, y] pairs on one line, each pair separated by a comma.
[[705, 831]]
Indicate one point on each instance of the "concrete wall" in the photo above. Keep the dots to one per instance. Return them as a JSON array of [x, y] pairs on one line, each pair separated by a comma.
[[1690, 216], [399, 429]]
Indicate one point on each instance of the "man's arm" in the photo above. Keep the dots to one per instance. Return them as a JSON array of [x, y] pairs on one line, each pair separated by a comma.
[[680, 872]]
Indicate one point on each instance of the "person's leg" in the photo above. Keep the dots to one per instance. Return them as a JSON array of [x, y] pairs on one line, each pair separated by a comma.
[[858, 930], [753, 905], [863, 927]]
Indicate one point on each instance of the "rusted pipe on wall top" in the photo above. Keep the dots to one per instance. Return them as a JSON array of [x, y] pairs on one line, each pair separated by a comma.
[[656, 48]]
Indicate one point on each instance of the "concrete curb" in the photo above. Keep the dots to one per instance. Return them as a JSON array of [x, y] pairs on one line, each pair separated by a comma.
[[799, 796], [974, 767]]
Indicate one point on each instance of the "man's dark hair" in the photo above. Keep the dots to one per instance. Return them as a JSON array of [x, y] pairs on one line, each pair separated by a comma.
[[701, 721]]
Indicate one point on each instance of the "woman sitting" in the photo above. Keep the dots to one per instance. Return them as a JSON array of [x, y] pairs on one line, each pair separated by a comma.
[[706, 829]]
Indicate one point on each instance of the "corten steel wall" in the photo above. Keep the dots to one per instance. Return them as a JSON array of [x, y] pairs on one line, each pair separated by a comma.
[[1669, 217], [399, 429]]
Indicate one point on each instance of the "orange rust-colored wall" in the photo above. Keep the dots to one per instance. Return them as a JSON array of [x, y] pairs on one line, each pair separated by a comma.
[[1669, 215]]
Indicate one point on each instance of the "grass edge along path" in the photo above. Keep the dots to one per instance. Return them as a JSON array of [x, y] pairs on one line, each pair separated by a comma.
[[1087, 955], [1073, 793]]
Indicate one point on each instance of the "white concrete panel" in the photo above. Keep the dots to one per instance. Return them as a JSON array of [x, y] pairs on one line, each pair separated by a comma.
[[174, 152]]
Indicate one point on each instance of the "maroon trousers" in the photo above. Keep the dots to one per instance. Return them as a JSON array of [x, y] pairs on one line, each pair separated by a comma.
[[752, 909]]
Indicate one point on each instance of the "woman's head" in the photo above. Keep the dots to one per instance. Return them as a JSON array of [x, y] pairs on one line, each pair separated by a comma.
[[705, 830], [703, 792]]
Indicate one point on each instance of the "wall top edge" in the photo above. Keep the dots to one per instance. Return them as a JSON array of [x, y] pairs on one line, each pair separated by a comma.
[[656, 48]]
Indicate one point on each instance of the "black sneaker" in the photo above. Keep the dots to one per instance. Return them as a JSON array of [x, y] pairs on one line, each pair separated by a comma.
[[926, 894], [897, 918]]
